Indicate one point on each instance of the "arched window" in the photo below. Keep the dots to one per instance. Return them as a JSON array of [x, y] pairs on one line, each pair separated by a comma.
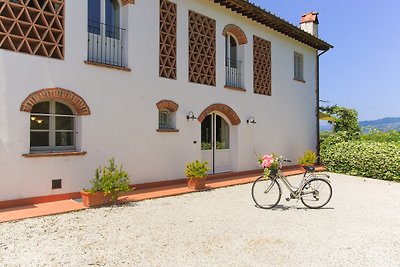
[[235, 39], [232, 64], [231, 51], [167, 116], [52, 127]]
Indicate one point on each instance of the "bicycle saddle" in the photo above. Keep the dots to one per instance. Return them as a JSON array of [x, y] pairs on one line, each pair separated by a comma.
[[309, 168]]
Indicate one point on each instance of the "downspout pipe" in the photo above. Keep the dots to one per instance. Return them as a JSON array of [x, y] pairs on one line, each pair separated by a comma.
[[318, 148]]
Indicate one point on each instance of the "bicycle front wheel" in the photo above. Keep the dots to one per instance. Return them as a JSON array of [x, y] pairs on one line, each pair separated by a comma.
[[266, 192], [316, 193]]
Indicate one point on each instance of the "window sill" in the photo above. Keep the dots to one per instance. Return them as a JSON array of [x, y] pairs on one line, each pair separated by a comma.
[[107, 66], [298, 80], [54, 154], [167, 130], [235, 88]]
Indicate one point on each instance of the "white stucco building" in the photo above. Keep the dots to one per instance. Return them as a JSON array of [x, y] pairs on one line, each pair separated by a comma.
[[153, 83]]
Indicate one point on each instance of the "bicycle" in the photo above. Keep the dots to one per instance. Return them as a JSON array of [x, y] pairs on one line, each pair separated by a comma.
[[314, 190]]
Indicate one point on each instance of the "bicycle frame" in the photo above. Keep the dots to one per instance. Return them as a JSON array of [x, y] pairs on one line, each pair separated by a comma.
[[295, 191]]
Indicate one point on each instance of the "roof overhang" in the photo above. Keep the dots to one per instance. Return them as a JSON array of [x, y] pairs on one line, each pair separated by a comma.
[[272, 21]]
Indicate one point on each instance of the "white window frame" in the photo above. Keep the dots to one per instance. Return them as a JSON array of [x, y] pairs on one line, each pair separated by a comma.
[[298, 67], [52, 130]]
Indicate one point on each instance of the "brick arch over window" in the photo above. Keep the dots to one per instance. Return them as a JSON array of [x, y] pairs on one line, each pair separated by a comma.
[[67, 96], [224, 109], [237, 32], [167, 104], [125, 2]]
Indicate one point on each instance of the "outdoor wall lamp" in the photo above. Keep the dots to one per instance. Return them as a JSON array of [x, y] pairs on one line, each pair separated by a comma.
[[251, 120], [191, 116]]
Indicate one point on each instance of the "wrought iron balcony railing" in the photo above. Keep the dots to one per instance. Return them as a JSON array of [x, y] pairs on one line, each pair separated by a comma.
[[233, 75], [105, 44]]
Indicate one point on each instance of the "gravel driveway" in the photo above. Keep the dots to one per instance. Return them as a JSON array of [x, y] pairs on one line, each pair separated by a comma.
[[359, 227]]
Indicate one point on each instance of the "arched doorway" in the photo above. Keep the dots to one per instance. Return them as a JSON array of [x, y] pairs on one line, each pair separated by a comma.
[[218, 135], [215, 143]]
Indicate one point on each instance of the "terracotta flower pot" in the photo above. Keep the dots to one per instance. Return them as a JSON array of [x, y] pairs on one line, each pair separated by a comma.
[[95, 199], [197, 183]]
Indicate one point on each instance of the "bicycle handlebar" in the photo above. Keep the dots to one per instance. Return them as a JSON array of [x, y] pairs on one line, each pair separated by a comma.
[[283, 160]]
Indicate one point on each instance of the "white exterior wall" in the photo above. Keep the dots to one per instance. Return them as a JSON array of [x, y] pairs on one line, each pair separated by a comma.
[[124, 116]]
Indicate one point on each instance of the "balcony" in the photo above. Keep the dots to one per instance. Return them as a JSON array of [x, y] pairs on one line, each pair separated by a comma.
[[105, 44], [233, 73]]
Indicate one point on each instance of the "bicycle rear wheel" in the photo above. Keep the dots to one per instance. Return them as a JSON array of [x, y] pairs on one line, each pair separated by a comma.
[[266, 192], [316, 193]]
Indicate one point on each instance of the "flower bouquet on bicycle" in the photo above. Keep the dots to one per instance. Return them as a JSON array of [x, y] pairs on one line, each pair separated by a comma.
[[270, 163], [314, 190]]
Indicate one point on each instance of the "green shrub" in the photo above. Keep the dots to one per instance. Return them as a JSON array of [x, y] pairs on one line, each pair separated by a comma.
[[336, 138], [324, 135], [111, 180], [379, 136], [220, 145], [309, 157], [206, 146], [364, 158], [196, 169]]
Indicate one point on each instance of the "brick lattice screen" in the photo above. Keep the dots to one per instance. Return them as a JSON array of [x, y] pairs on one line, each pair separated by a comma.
[[33, 26], [261, 66], [167, 39], [202, 49]]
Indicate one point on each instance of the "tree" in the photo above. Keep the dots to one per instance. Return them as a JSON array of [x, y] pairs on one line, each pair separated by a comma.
[[346, 119]]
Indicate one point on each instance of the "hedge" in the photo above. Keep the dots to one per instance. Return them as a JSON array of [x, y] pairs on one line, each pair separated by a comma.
[[378, 136], [364, 158]]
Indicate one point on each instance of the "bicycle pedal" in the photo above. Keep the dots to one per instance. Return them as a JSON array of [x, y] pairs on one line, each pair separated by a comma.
[[288, 199]]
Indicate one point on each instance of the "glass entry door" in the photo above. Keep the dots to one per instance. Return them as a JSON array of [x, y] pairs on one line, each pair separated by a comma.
[[215, 143]]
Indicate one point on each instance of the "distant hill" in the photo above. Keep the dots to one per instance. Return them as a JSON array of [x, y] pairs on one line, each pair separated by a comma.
[[385, 124]]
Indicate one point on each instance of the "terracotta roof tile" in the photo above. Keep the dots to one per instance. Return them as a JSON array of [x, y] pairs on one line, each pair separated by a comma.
[[266, 18]]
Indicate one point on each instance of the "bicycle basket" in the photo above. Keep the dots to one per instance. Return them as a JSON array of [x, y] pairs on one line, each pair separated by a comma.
[[273, 172]]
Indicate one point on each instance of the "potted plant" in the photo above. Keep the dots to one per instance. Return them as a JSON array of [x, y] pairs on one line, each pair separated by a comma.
[[107, 185], [196, 172], [309, 158]]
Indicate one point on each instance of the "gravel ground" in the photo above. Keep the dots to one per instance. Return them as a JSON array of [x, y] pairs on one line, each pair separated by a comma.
[[359, 227]]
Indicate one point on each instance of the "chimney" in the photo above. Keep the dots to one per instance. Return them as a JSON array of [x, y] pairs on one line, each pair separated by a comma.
[[309, 23]]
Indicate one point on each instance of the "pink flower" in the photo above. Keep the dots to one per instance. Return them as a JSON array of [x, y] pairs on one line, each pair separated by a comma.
[[267, 161]]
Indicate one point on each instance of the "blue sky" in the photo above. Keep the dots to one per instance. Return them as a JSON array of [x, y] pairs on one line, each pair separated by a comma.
[[362, 70]]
